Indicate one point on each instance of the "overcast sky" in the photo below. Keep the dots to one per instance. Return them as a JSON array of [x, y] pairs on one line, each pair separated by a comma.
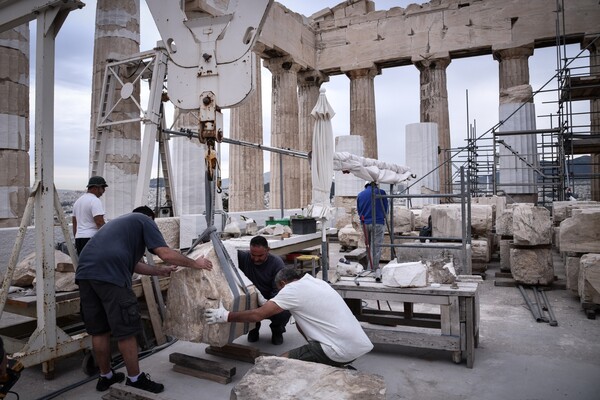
[[396, 93]]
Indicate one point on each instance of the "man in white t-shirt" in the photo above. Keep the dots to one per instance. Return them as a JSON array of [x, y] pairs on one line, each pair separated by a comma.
[[334, 335], [88, 212]]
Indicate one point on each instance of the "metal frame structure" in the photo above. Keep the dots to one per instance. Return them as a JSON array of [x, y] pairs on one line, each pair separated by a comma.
[[48, 341]]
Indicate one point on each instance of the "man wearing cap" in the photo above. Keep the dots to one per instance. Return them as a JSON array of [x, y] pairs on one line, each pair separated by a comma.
[[364, 207], [88, 212]]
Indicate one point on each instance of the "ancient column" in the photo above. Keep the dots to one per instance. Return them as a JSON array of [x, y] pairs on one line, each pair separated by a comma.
[[434, 108], [362, 107], [593, 46], [284, 131], [14, 124], [188, 165], [308, 94], [517, 112], [246, 167], [117, 36]]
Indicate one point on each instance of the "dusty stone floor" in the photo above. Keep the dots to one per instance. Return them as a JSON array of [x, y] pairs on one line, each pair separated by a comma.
[[517, 358]]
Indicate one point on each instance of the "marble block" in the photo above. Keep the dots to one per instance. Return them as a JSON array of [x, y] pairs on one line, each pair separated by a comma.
[[581, 232], [411, 274], [531, 225], [532, 266], [589, 278], [192, 291], [572, 273], [284, 378]]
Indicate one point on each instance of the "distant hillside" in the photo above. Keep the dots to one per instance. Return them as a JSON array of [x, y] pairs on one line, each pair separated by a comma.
[[224, 184]]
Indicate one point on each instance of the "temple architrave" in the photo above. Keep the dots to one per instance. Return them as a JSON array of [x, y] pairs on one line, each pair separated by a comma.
[[351, 39]]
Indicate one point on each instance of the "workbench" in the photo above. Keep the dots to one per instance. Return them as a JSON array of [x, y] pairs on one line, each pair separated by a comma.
[[455, 328], [280, 246]]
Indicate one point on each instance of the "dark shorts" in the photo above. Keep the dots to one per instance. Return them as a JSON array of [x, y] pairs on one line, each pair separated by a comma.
[[80, 244], [314, 352], [109, 308]]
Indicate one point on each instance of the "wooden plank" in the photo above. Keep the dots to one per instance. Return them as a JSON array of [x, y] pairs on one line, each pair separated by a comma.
[[470, 334], [391, 320], [507, 275], [201, 374], [119, 391], [505, 283], [413, 339], [155, 318], [237, 352], [201, 364]]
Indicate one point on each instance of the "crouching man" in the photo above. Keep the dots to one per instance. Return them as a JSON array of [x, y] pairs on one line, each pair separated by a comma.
[[334, 335]]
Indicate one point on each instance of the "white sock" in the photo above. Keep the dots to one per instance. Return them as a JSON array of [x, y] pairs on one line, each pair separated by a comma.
[[107, 376], [134, 378]]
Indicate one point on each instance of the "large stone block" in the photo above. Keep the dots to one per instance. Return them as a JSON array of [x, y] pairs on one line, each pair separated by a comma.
[[505, 255], [284, 378], [349, 237], [532, 225], [532, 266], [572, 272], [403, 220], [504, 222], [562, 210], [497, 202], [24, 274], [447, 220], [581, 232], [421, 252], [480, 250], [589, 278], [169, 227], [411, 274], [422, 216], [192, 291]]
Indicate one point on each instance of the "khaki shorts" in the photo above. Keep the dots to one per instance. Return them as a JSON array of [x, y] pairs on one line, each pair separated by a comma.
[[109, 308]]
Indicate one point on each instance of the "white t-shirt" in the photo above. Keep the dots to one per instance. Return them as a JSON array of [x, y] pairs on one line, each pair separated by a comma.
[[324, 317], [84, 210]]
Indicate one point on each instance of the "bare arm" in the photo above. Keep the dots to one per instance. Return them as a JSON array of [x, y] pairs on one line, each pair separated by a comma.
[[255, 315], [157, 270], [74, 225], [171, 256], [99, 220]]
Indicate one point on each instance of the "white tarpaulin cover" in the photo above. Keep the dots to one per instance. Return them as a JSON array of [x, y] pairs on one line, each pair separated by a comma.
[[322, 158], [370, 169]]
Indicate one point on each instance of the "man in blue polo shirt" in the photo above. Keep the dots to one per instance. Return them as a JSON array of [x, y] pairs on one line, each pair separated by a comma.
[[108, 303], [364, 207]]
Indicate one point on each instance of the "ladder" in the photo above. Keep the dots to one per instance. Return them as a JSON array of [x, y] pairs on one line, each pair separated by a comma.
[[98, 150]]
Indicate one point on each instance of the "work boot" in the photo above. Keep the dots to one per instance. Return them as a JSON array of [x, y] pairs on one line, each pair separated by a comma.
[[277, 336], [254, 334], [143, 382], [104, 383]]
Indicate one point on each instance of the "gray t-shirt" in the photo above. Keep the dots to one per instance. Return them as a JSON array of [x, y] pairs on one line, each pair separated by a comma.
[[111, 255]]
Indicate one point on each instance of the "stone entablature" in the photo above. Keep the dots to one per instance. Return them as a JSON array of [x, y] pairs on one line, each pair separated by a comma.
[[336, 38]]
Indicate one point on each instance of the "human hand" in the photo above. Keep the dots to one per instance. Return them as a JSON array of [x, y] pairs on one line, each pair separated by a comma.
[[203, 263], [165, 270], [261, 298], [216, 315]]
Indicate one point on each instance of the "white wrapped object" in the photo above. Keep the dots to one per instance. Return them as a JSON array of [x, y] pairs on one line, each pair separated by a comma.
[[409, 274]]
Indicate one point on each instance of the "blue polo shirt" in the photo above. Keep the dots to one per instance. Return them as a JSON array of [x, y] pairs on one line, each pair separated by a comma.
[[363, 206], [112, 253]]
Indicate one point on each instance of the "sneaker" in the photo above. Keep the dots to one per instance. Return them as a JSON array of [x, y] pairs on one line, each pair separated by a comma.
[[104, 383], [277, 338], [143, 382]]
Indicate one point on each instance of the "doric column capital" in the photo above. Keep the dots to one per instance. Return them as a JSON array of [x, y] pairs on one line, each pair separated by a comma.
[[362, 72], [431, 63], [591, 43], [525, 51], [282, 64], [312, 78]]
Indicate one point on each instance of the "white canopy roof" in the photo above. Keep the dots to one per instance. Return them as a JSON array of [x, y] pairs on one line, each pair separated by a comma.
[[370, 169]]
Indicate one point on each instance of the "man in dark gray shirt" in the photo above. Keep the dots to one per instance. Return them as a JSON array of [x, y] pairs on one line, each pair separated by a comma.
[[261, 267], [108, 303]]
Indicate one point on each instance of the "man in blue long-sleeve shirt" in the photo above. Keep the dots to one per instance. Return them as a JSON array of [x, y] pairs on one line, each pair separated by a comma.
[[364, 207]]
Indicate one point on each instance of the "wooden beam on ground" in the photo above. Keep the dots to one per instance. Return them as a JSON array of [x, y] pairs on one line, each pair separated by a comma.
[[236, 352], [202, 368], [155, 318], [119, 391]]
